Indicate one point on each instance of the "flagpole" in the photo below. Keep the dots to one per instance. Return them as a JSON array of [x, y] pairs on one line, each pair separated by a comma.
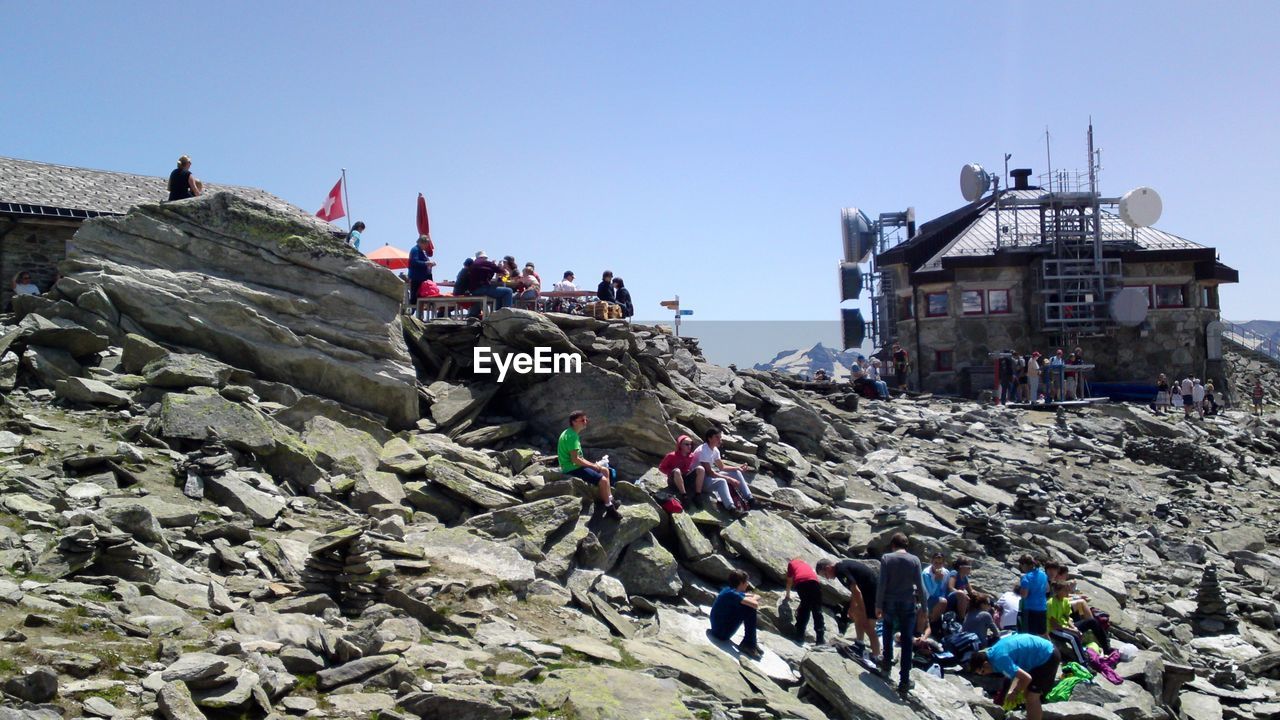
[[346, 198]]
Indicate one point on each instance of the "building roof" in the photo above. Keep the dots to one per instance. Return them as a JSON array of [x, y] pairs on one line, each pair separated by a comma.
[[60, 191], [966, 237], [978, 238]]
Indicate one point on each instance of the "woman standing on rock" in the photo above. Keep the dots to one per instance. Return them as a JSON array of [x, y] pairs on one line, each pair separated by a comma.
[[182, 184], [1162, 394]]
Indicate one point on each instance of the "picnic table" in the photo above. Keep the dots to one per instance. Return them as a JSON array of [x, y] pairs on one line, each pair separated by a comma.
[[432, 307]]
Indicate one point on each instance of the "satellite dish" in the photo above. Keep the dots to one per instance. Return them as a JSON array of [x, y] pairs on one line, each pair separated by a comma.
[[1140, 207], [1129, 306], [974, 181], [859, 240], [850, 281]]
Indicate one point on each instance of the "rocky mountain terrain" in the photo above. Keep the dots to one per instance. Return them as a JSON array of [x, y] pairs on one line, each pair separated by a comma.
[[199, 520], [836, 363]]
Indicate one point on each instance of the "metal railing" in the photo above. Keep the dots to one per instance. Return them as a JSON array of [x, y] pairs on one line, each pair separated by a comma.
[[1245, 337]]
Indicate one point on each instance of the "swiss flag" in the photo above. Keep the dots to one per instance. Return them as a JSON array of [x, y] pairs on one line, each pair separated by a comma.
[[332, 209]]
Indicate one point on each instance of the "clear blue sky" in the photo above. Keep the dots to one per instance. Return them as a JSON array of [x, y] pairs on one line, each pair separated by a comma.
[[699, 148]]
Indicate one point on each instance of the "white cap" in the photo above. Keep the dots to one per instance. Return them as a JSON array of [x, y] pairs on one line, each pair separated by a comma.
[[481, 254]]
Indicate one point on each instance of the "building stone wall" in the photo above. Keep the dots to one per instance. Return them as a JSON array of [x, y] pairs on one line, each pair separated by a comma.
[[36, 247], [1172, 341]]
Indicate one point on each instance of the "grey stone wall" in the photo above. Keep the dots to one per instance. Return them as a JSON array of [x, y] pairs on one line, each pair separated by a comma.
[[32, 246], [1173, 340]]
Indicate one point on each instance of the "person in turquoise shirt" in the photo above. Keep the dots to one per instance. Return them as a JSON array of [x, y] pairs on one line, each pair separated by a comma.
[[1034, 588], [1030, 661], [572, 462], [353, 237]]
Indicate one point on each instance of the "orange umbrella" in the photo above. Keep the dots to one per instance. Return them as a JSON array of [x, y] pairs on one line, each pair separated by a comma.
[[390, 257]]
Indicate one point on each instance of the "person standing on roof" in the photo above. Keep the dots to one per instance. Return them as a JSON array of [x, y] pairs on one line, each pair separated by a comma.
[[182, 184]]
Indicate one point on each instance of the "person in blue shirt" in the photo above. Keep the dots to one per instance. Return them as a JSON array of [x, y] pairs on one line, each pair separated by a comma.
[[353, 237], [1030, 661], [735, 607], [1034, 589], [936, 581]]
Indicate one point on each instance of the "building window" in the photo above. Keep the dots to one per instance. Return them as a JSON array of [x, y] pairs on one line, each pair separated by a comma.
[[944, 360], [936, 304], [998, 302], [906, 308], [1146, 292], [1209, 297], [971, 302], [1170, 296]]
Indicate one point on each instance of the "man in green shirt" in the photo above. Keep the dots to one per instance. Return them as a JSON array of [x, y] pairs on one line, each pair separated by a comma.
[[569, 448]]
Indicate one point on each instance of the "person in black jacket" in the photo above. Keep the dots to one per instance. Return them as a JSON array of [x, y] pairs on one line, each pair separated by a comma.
[[622, 296], [605, 290]]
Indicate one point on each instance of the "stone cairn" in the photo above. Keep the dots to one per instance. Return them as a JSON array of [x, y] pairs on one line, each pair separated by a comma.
[[1031, 502], [985, 528], [1211, 616], [355, 566]]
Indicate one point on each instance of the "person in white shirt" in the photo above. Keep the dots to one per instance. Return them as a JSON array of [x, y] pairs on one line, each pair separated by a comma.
[[22, 284], [1187, 388], [719, 476], [1007, 608], [565, 285]]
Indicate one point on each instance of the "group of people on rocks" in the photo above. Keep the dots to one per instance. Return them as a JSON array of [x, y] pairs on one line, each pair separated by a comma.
[[1037, 378], [693, 473], [1189, 395], [935, 614]]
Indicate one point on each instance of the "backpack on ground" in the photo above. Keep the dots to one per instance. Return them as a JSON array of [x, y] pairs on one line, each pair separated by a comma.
[[428, 288], [962, 643]]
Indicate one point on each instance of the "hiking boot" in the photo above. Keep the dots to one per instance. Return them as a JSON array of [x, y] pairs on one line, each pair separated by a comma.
[[904, 687], [611, 510], [752, 651]]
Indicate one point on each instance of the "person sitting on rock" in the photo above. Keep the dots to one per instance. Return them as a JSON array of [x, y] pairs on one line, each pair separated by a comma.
[[874, 375], [979, 621], [735, 607], [861, 581], [809, 588], [722, 479], [1007, 606], [682, 471], [569, 449], [1034, 589], [958, 588], [936, 581], [1030, 661]]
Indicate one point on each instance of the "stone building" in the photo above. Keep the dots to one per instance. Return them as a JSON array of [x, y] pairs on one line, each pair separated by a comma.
[[42, 206], [1028, 269]]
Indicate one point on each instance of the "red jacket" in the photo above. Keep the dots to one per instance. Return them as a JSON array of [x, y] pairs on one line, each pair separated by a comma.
[[676, 459], [799, 571]]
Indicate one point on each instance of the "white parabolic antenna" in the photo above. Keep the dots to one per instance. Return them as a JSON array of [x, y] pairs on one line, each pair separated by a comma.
[[1140, 207], [974, 181], [1129, 307]]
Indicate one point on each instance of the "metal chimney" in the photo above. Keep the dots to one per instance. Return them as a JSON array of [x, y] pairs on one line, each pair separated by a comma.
[[1020, 178]]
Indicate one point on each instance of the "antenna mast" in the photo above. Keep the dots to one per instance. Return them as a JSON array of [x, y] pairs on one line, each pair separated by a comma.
[[1048, 158], [1093, 169]]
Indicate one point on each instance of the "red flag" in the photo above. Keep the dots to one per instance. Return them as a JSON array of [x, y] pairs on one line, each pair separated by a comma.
[[332, 209], [424, 225]]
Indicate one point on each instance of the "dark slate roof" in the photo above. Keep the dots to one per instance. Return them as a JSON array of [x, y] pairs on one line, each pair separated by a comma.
[[45, 189]]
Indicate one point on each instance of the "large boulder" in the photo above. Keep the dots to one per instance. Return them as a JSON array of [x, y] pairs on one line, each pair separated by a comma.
[[606, 693], [262, 288], [648, 569], [622, 414]]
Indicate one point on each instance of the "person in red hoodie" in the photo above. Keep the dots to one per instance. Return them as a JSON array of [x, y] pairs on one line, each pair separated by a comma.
[[809, 588], [683, 474]]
